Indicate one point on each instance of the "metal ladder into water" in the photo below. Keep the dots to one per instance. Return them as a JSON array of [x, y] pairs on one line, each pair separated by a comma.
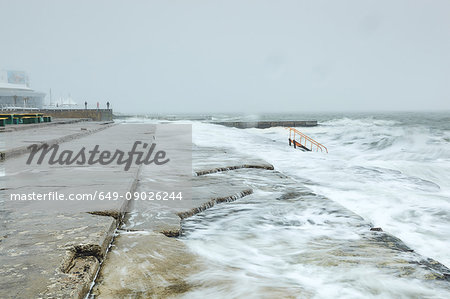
[[298, 139]]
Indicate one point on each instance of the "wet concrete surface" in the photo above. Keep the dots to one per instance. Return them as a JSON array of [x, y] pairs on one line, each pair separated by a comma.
[[16, 142], [55, 121], [211, 160], [53, 249], [145, 263], [37, 253]]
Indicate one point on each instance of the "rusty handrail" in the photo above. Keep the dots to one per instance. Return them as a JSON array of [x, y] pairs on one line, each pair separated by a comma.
[[312, 142]]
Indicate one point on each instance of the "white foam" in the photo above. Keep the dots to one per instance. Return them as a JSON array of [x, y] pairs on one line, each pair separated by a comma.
[[397, 177]]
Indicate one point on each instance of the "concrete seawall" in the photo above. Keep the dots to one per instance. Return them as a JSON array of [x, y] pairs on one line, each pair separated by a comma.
[[268, 124], [94, 114]]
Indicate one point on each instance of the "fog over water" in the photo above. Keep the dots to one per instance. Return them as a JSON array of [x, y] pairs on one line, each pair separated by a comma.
[[233, 56]]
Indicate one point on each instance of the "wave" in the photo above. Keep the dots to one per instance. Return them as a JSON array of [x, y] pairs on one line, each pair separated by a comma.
[[393, 172]]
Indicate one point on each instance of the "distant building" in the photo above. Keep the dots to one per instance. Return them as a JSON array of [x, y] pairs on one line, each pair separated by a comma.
[[15, 91], [62, 103]]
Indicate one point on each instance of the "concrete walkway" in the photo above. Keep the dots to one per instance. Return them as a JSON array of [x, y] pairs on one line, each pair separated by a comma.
[[16, 142], [55, 121], [53, 249]]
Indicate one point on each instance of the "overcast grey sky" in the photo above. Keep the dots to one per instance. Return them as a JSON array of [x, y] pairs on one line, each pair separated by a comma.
[[234, 56]]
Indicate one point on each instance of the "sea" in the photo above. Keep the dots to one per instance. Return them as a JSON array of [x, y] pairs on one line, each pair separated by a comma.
[[392, 169]]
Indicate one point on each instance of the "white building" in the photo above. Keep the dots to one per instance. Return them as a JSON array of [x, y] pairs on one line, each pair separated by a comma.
[[15, 91]]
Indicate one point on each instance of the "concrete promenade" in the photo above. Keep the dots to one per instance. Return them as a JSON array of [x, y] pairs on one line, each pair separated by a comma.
[[53, 249], [55, 121], [56, 249], [16, 138]]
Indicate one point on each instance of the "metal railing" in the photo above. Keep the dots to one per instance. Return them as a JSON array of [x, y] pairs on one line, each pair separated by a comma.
[[299, 139]]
